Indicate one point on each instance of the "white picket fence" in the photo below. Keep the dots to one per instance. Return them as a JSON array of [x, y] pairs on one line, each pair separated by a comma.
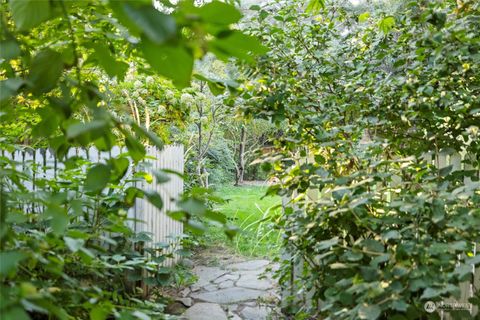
[[468, 289], [43, 164]]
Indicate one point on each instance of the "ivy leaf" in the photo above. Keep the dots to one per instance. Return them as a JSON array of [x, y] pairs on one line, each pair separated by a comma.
[[173, 62], [29, 13], [97, 178], [157, 26], [46, 69]]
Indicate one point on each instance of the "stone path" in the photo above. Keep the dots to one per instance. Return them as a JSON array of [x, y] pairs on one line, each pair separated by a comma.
[[237, 291]]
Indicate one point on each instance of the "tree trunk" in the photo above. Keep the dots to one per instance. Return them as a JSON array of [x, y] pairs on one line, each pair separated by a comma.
[[241, 157], [199, 154]]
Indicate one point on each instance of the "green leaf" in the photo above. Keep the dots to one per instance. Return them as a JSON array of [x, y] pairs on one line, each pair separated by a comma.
[[112, 67], [9, 261], [100, 312], [373, 245], [443, 172], [29, 13], [363, 17], [386, 24], [151, 136], [400, 305], [392, 234], [94, 128], [97, 178], [9, 49], [157, 26], [140, 315], [161, 177], [173, 62], [73, 244], [195, 227], [9, 88], [155, 199], [16, 312], [58, 218], [135, 148], [219, 13], [216, 216], [120, 167], [438, 211], [315, 6], [369, 312], [193, 206], [46, 69], [131, 194], [326, 244], [429, 293], [237, 44]]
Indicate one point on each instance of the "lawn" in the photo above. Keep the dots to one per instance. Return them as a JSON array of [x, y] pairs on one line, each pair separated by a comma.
[[254, 216]]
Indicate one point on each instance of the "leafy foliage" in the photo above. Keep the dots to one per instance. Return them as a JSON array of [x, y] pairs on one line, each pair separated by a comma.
[[67, 251], [368, 99]]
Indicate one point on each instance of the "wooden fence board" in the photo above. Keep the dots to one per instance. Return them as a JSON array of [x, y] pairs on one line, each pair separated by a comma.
[[43, 164]]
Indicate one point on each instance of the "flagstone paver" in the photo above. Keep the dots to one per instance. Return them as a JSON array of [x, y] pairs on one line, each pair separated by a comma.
[[235, 288], [205, 311]]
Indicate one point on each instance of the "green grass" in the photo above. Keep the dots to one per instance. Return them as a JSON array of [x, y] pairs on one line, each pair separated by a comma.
[[255, 218]]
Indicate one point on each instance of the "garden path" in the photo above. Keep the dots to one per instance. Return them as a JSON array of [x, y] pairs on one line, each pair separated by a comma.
[[240, 290]]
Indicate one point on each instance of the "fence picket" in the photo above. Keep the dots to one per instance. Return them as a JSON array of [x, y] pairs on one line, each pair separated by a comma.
[[44, 164]]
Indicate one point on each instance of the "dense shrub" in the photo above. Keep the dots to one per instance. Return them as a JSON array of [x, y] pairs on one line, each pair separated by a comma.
[[368, 91]]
